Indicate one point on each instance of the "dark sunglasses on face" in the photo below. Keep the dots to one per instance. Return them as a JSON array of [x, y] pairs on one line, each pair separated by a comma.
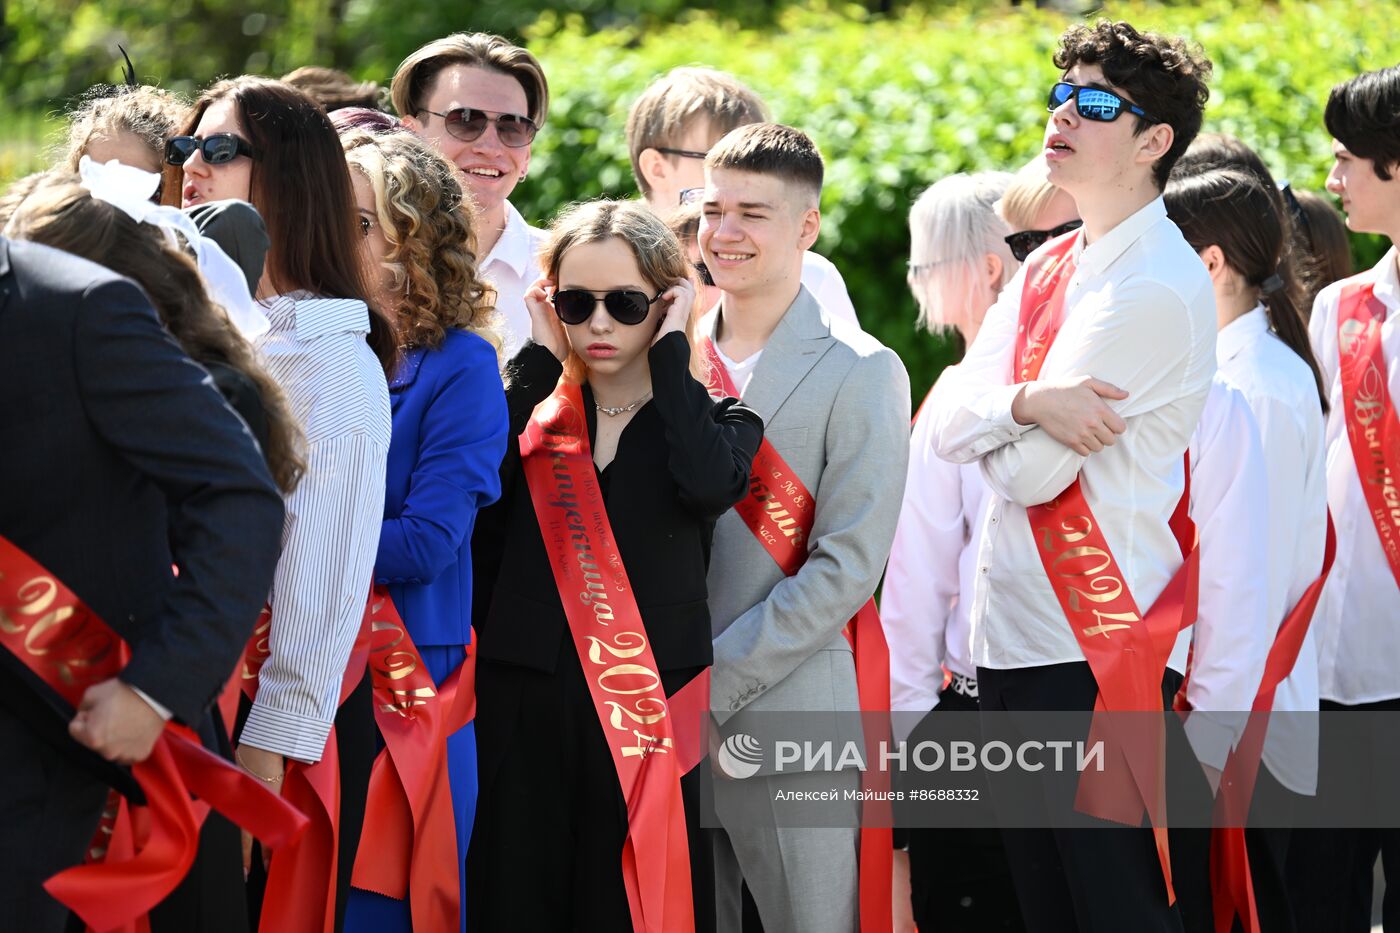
[[217, 149], [1094, 103], [467, 124], [1028, 241], [575, 305]]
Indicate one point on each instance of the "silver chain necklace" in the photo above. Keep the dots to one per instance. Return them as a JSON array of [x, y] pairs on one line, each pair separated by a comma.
[[621, 409]]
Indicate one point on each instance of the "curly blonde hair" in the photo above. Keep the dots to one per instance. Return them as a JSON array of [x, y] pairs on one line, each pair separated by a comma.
[[432, 250], [149, 113]]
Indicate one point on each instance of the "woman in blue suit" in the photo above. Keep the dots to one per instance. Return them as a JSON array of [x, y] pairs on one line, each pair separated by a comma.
[[449, 431]]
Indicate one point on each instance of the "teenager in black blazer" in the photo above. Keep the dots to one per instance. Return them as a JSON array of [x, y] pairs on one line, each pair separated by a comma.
[[546, 849], [120, 459]]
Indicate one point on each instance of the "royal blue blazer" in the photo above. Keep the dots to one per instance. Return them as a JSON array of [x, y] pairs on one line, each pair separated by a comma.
[[450, 426]]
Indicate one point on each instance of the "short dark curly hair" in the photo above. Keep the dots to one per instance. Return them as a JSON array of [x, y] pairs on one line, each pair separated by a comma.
[[1363, 114], [1163, 75]]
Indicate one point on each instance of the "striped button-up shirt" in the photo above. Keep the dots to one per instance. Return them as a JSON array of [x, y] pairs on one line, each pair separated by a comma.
[[316, 351]]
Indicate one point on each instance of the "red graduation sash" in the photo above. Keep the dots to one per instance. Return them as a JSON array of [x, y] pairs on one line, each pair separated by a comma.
[[780, 511], [1126, 651], [49, 630], [653, 739], [1232, 889], [1370, 417], [301, 879], [408, 846]]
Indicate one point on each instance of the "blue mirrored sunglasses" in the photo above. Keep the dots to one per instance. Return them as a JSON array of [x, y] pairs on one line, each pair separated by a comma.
[[1094, 103]]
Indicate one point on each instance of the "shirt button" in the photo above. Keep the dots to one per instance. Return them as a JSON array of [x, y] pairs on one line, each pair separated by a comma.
[[984, 569], [994, 519]]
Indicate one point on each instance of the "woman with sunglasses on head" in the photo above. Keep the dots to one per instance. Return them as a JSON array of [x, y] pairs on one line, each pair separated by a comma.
[[614, 349], [1232, 220], [958, 262], [264, 142], [480, 100], [444, 458]]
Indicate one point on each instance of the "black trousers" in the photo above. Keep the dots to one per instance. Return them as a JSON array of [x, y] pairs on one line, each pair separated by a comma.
[[1330, 870], [1092, 876], [546, 848], [959, 878], [1268, 854], [49, 808]]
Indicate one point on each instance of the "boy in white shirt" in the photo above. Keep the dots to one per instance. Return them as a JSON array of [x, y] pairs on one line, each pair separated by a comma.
[[1354, 326], [1102, 429]]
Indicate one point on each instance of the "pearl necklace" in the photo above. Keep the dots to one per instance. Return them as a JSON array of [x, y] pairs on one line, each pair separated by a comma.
[[622, 409]]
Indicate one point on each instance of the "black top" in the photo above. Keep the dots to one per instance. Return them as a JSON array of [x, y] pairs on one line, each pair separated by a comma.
[[682, 461], [241, 393]]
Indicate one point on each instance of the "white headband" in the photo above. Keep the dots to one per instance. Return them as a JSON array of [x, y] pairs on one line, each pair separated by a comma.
[[130, 190]]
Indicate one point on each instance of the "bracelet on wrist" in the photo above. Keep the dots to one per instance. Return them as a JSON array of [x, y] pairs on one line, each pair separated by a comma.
[[238, 757]]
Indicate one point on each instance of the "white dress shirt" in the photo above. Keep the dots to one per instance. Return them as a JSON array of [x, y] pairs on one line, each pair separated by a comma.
[[932, 564], [1281, 392], [316, 351], [1233, 630], [511, 267], [824, 281], [1358, 643], [1141, 315]]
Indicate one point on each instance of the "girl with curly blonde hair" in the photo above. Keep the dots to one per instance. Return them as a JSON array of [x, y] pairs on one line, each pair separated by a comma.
[[449, 431]]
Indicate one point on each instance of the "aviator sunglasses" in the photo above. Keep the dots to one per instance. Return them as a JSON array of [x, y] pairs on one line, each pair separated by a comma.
[[218, 148], [1028, 241], [468, 124], [575, 305], [1094, 103]]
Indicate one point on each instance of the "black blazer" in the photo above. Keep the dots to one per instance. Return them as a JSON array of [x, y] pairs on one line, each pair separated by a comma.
[[120, 459], [681, 462]]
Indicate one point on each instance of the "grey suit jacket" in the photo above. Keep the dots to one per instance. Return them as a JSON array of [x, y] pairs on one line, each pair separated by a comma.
[[835, 403]]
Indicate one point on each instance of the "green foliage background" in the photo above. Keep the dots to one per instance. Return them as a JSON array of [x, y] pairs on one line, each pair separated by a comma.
[[894, 100]]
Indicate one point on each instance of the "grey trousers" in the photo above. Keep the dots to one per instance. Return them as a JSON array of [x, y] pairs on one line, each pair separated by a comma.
[[802, 879]]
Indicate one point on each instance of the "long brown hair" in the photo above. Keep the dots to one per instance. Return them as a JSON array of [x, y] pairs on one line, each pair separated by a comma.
[[300, 185], [1234, 210], [62, 214]]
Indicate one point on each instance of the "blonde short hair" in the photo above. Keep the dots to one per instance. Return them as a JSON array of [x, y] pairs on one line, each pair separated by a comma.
[[1029, 194], [432, 251], [657, 251], [414, 77], [673, 102]]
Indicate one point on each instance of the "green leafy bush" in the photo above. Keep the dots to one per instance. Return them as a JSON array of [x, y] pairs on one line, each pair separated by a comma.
[[895, 103]]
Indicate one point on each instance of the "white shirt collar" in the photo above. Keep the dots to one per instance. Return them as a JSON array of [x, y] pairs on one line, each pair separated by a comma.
[[513, 248], [312, 317], [1099, 255], [1386, 280], [1240, 333]]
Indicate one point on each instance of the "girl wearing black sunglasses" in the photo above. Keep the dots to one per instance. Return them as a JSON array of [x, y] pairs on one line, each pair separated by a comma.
[[612, 330], [329, 348]]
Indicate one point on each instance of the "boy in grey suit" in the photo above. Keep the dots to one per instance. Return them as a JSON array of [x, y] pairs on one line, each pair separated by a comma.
[[836, 405]]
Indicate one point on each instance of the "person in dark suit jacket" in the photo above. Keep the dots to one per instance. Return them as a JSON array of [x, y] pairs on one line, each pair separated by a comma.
[[78, 218], [121, 460], [546, 849]]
